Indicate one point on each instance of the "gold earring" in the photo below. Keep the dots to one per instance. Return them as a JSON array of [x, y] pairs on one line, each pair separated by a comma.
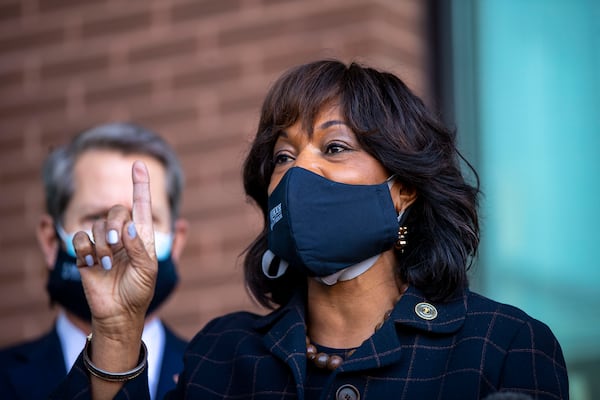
[[401, 242]]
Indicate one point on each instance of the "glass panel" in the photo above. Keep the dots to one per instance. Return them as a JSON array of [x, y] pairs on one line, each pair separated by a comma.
[[537, 118]]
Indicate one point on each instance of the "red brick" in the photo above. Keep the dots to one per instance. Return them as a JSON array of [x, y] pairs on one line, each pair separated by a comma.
[[118, 93], [11, 202], [281, 59], [31, 41], [74, 66], [298, 24], [267, 3], [117, 24], [161, 116], [11, 79], [12, 260], [358, 47], [17, 232], [54, 5], [32, 107], [15, 171], [53, 136], [163, 50], [206, 75], [202, 9], [10, 11], [10, 141]]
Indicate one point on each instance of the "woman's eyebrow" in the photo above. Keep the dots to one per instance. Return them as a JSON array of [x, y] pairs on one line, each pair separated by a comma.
[[327, 124]]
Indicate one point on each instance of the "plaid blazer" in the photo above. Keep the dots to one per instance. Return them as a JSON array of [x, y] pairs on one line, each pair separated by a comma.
[[463, 349]]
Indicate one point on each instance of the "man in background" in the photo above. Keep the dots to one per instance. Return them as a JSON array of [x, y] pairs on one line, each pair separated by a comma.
[[82, 180]]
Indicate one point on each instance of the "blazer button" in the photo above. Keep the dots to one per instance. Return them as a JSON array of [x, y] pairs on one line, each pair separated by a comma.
[[426, 311], [347, 392]]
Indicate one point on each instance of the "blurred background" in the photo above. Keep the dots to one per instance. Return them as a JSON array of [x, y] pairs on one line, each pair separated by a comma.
[[518, 79]]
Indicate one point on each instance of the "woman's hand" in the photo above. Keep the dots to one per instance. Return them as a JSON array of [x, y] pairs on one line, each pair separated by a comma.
[[118, 272], [119, 269]]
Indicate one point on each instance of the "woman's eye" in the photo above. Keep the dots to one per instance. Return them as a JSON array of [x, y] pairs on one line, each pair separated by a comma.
[[335, 148], [281, 158]]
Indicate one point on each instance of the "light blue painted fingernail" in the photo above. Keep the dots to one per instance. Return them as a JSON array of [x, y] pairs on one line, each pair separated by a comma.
[[112, 237], [131, 230], [89, 260], [106, 263]]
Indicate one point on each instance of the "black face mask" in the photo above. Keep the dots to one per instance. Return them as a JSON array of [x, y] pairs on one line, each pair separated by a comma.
[[324, 226], [65, 288]]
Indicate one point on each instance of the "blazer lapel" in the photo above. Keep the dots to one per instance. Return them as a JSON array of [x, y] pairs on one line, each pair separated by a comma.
[[286, 338], [41, 369], [384, 347]]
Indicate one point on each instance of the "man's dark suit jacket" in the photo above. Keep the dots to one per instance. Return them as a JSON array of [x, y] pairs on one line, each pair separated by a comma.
[[473, 347], [33, 370]]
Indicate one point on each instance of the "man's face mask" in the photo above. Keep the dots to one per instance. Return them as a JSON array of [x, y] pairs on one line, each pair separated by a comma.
[[64, 281], [323, 227], [162, 242]]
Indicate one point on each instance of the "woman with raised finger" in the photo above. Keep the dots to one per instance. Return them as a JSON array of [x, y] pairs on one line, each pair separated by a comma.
[[369, 229]]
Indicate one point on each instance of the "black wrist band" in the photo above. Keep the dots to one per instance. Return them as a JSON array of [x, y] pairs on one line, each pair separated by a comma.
[[114, 376]]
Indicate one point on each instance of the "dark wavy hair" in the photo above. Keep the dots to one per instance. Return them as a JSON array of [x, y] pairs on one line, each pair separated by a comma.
[[393, 125]]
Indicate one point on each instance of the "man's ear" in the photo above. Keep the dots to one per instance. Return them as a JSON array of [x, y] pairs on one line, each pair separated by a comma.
[[402, 196], [46, 235], [180, 234]]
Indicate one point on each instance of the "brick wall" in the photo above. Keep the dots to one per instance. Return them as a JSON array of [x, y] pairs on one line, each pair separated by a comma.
[[193, 70]]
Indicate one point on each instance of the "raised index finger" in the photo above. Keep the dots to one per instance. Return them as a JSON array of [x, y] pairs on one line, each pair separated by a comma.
[[142, 206]]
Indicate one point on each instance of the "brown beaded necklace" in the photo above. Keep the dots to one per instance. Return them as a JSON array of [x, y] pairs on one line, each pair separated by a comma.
[[331, 362], [322, 360]]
